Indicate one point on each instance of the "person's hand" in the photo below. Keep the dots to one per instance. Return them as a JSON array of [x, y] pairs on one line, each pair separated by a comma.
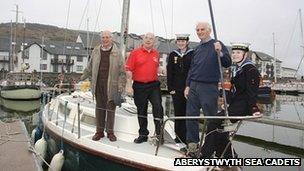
[[257, 114], [218, 47], [172, 92], [186, 92], [129, 91], [223, 106]]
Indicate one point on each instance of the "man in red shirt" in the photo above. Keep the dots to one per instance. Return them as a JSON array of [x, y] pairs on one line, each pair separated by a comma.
[[142, 66]]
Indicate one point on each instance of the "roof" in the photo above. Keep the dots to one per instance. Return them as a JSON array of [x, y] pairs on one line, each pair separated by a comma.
[[93, 39], [65, 48], [286, 68], [264, 56], [4, 44], [53, 47]]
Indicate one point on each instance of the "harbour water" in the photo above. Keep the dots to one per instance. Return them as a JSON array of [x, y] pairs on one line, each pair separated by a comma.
[[253, 140]]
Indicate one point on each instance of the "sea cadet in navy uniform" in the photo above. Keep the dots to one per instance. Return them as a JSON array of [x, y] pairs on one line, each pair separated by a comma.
[[177, 70], [245, 85]]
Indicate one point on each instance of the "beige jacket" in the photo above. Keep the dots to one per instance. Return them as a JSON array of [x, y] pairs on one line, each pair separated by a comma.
[[116, 77]]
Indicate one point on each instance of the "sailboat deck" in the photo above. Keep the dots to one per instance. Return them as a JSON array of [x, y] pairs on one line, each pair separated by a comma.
[[126, 129]]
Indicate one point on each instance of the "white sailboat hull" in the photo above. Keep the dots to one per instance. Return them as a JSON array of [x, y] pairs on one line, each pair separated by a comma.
[[123, 151]]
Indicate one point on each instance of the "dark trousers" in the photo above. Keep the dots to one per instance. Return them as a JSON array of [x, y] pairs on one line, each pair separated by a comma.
[[104, 109], [201, 96], [179, 103], [144, 92], [216, 141]]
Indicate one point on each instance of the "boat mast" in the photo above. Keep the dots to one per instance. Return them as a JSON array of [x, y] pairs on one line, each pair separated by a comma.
[[88, 39], [301, 27], [124, 28], [302, 41], [274, 60], [10, 66], [14, 44], [23, 43], [219, 60], [41, 58]]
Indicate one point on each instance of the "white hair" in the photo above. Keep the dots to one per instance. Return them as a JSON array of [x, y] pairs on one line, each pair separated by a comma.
[[204, 24], [106, 32]]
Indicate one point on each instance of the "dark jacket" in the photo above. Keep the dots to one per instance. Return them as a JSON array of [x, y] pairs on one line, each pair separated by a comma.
[[244, 90], [204, 65], [177, 69]]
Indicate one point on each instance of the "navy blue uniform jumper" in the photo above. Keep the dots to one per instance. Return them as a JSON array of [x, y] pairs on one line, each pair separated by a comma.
[[203, 78], [177, 72], [242, 102]]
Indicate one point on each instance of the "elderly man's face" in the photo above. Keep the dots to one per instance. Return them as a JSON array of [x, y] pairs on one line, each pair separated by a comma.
[[106, 39], [202, 31], [148, 41]]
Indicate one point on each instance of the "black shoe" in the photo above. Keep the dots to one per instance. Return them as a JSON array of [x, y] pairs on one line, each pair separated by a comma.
[[183, 150], [177, 140], [140, 139]]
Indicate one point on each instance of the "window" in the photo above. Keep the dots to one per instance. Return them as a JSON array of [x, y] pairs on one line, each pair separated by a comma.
[[161, 63], [26, 54], [79, 59], [79, 68], [44, 55], [43, 66], [77, 48], [52, 46], [69, 47]]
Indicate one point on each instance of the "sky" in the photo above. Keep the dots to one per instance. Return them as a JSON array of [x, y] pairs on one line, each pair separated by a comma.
[[250, 21]]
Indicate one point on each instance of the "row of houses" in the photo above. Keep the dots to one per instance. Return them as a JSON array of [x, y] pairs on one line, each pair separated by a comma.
[[59, 56]]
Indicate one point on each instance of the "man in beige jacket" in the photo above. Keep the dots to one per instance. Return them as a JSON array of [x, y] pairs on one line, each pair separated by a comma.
[[106, 70]]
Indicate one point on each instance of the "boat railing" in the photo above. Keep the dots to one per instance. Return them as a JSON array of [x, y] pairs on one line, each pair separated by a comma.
[[205, 118], [61, 87]]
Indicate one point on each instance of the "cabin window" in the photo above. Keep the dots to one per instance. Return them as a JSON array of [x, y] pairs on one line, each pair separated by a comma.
[[79, 68], [79, 59], [88, 119]]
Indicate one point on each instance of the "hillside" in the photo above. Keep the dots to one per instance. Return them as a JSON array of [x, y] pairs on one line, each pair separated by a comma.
[[36, 31]]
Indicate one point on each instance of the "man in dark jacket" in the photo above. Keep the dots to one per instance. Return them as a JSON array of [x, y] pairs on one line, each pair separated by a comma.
[[202, 82], [177, 70]]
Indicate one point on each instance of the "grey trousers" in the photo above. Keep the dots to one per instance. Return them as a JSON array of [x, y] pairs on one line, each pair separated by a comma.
[[201, 96]]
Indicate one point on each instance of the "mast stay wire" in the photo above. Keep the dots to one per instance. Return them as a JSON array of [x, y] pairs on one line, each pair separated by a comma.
[[95, 25], [172, 21], [165, 27], [85, 11], [66, 26], [79, 26], [151, 14], [292, 35]]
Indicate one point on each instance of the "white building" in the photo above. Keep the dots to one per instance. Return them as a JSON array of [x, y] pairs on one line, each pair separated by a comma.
[[52, 57], [288, 72], [4, 53], [265, 64]]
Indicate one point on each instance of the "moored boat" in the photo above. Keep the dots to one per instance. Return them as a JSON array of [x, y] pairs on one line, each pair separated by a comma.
[[20, 86], [65, 121]]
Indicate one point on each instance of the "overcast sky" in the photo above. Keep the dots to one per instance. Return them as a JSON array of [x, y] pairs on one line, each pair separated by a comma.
[[251, 21]]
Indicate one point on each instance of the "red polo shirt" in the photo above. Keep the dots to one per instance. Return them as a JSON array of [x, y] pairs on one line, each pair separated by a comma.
[[143, 64]]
